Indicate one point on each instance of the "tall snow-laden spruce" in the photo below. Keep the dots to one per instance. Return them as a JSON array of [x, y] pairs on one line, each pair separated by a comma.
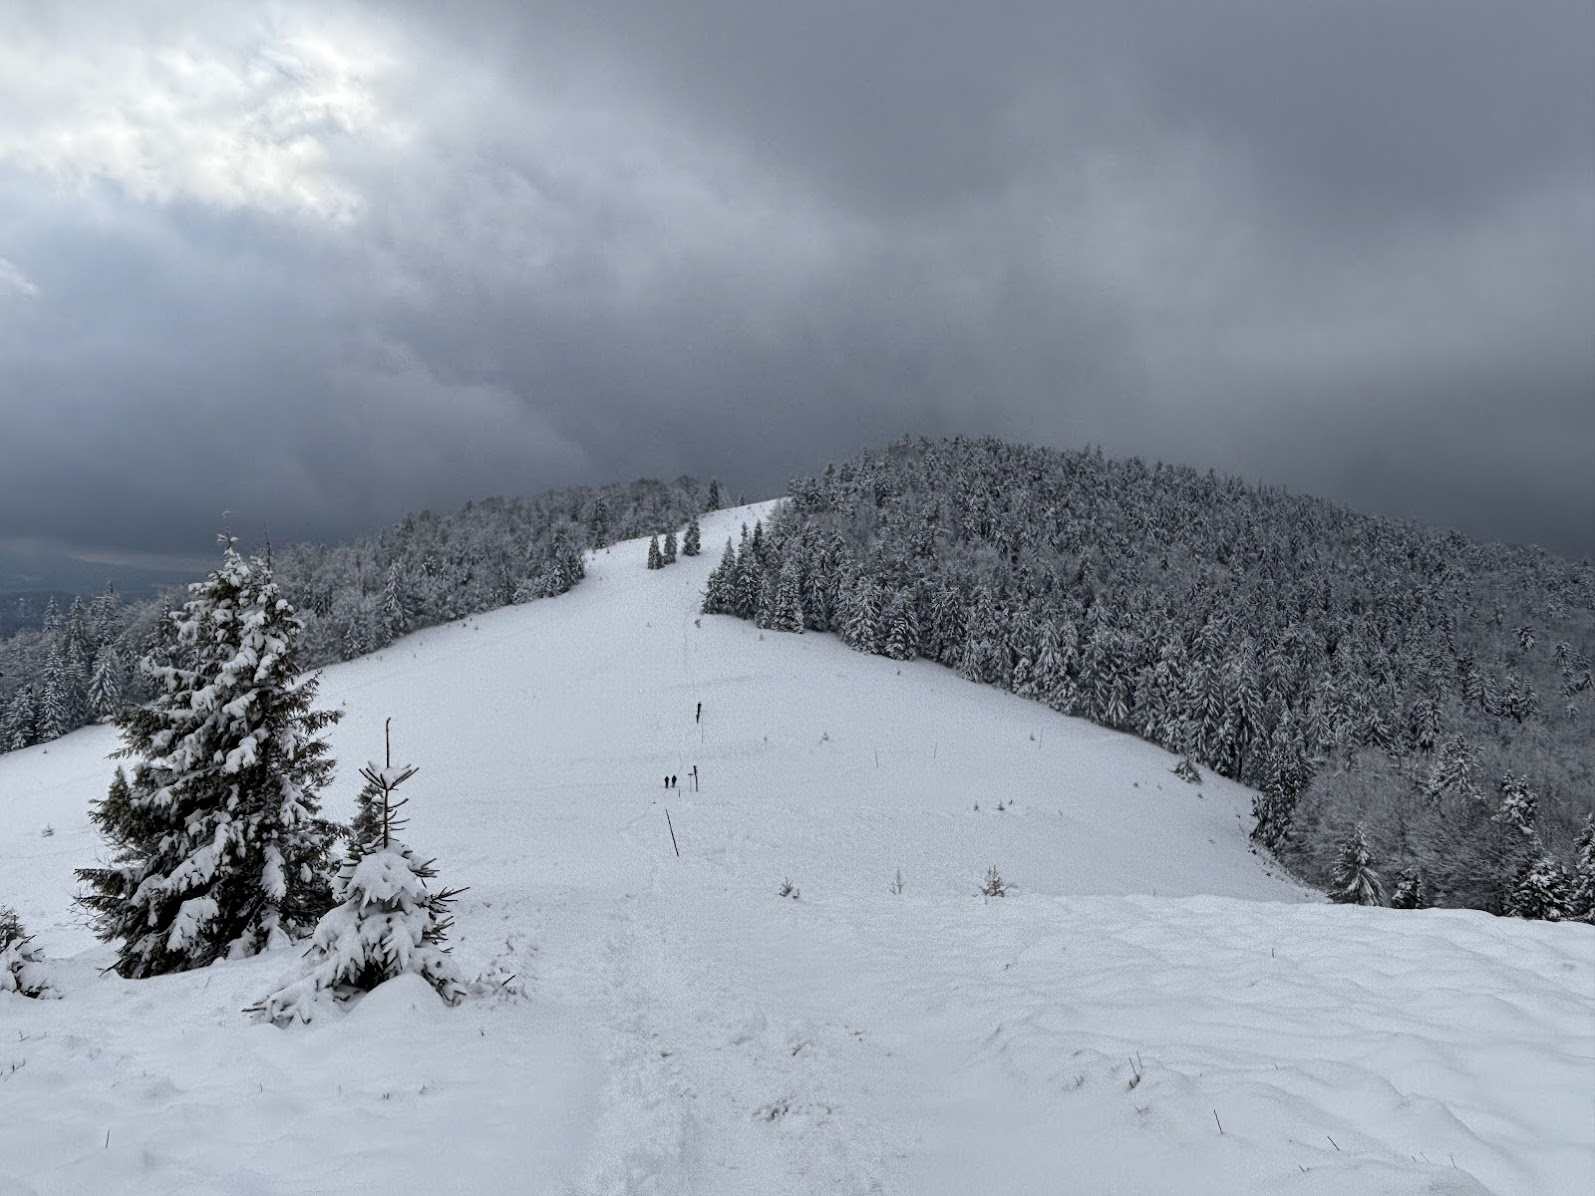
[[655, 561], [218, 845], [668, 555], [692, 541], [718, 598], [388, 923]]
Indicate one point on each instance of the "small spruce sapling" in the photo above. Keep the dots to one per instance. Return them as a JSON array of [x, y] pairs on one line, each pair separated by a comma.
[[994, 885], [388, 922], [1411, 893], [22, 968]]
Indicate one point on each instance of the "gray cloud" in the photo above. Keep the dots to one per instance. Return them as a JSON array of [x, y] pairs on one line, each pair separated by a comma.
[[353, 263]]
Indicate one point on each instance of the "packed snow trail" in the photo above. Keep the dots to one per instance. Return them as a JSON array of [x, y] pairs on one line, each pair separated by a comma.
[[1150, 1010]]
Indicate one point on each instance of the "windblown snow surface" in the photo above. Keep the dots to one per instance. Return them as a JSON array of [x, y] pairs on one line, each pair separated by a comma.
[[1150, 1010]]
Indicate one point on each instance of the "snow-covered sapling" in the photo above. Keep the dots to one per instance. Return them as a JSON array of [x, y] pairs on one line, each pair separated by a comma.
[[22, 968], [787, 889], [995, 885], [387, 923], [1411, 893], [1186, 770], [898, 884]]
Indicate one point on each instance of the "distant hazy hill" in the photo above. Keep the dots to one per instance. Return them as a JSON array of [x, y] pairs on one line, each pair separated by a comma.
[[30, 577]]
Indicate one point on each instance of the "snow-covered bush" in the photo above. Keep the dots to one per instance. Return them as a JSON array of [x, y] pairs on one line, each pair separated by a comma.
[[387, 921], [22, 968]]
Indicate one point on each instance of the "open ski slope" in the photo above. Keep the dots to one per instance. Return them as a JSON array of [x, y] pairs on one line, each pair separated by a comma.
[[1148, 1011]]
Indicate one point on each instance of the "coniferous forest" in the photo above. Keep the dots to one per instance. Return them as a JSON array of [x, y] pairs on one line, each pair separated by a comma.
[[1410, 704], [81, 665]]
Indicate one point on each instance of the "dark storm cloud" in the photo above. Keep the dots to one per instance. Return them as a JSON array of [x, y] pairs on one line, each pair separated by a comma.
[[1349, 248]]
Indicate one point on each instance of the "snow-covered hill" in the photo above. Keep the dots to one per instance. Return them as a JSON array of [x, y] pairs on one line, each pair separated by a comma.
[[1149, 1010]]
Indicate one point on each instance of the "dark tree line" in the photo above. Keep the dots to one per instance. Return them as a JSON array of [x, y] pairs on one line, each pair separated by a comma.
[[1401, 697], [79, 666]]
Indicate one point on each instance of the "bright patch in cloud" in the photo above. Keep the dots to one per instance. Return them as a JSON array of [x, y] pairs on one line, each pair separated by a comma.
[[245, 118], [13, 279]]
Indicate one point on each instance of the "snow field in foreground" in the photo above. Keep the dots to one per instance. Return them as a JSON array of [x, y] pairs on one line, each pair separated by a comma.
[[686, 1030]]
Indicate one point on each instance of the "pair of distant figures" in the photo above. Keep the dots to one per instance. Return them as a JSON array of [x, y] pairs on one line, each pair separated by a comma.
[[670, 779]]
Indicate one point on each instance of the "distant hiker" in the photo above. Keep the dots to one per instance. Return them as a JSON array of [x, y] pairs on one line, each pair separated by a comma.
[[672, 780], [699, 719], [667, 780]]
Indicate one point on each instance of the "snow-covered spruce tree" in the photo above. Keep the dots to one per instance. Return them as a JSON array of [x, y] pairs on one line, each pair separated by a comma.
[[1410, 892], [387, 923], [395, 601], [19, 727], [58, 709], [748, 581], [1581, 894], [668, 555], [788, 612], [218, 845], [902, 628], [1356, 882], [713, 503], [105, 684], [717, 596], [1541, 891], [22, 968], [1285, 774], [655, 561], [692, 542]]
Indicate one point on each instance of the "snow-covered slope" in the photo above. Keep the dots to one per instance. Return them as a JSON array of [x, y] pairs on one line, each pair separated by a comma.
[[1148, 1011]]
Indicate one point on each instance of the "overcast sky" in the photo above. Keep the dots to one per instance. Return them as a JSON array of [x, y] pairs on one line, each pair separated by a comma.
[[323, 264]]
